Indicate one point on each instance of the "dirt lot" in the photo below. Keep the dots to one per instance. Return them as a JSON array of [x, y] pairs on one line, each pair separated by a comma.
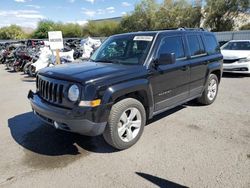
[[193, 146]]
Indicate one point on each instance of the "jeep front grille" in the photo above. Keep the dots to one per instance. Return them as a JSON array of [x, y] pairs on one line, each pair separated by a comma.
[[50, 90]]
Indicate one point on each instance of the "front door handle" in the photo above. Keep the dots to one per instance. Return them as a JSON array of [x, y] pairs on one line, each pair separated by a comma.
[[184, 68]]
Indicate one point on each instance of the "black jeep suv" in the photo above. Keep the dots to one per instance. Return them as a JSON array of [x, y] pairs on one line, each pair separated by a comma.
[[129, 79]]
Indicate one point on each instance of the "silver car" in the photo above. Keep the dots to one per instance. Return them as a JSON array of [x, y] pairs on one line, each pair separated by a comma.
[[236, 55]]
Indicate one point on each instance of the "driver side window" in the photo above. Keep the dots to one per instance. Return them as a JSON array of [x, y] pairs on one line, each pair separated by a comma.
[[172, 45]]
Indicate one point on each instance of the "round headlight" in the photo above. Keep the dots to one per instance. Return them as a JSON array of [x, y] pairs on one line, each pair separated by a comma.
[[73, 93]]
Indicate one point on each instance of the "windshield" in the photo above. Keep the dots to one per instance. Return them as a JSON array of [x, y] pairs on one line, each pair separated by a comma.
[[123, 49], [241, 45]]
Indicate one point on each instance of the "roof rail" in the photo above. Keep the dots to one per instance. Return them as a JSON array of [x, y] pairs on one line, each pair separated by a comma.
[[191, 29], [173, 28], [179, 29]]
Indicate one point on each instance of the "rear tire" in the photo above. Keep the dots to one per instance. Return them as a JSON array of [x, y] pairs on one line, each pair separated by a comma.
[[126, 123], [16, 68], [210, 93]]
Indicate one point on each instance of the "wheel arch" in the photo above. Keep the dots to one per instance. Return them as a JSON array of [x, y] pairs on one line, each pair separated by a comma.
[[138, 89], [215, 68], [218, 74]]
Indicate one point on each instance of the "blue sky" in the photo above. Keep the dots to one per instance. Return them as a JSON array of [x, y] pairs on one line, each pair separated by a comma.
[[27, 13]]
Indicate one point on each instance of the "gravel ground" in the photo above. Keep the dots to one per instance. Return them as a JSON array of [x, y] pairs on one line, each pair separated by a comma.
[[189, 146]]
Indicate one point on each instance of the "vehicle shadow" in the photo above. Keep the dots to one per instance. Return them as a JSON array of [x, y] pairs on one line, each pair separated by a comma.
[[28, 131], [193, 103], [234, 75], [27, 78], [165, 114], [159, 181], [34, 135]]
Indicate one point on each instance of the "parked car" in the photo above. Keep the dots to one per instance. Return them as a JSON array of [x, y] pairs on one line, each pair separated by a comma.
[[236, 55], [221, 43], [129, 79]]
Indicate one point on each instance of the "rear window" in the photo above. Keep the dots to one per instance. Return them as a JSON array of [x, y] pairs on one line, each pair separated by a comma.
[[195, 45], [241, 45], [211, 44]]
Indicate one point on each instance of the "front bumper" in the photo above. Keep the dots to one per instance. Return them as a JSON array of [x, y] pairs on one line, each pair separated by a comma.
[[237, 67], [79, 120]]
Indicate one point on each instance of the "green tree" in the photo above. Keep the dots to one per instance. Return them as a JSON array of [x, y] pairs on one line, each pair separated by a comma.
[[69, 29], [180, 13], [220, 14], [12, 32], [72, 30], [149, 15], [43, 28], [101, 29], [142, 18], [245, 27]]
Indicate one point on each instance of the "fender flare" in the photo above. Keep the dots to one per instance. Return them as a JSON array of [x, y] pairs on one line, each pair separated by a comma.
[[115, 91], [216, 66]]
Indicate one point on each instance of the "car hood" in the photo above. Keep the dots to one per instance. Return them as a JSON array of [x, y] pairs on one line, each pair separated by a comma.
[[92, 72], [235, 54]]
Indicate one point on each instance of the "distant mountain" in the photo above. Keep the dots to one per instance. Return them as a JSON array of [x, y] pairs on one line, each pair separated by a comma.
[[116, 19], [28, 30]]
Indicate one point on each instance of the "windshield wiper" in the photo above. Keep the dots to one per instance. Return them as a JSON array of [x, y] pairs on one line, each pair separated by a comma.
[[105, 61]]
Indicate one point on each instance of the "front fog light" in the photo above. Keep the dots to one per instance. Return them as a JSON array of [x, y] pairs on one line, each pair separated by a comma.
[[73, 93]]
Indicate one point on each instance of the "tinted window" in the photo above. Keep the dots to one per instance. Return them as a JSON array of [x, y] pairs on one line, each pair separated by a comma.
[[172, 45], [211, 44], [242, 45], [195, 45]]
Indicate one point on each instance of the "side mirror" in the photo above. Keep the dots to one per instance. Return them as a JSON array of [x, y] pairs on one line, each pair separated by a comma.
[[166, 59]]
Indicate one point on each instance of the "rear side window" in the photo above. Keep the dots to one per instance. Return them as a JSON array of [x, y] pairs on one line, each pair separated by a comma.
[[195, 45], [239, 45], [211, 44], [172, 45]]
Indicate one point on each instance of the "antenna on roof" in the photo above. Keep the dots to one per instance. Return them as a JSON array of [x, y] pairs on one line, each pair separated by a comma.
[[181, 29]]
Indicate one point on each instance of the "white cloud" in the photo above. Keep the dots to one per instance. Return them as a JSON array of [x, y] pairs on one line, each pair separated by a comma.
[[22, 1], [90, 1], [71, 1], [126, 4], [88, 12], [100, 11], [92, 13], [80, 22], [34, 6], [110, 9], [31, 16], [124, 13], [17, 12], [27, 18]]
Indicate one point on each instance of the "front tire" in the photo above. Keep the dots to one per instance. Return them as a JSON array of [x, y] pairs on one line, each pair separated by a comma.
[[32, 71], [126, 123], [210, 93], [26, 67]]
